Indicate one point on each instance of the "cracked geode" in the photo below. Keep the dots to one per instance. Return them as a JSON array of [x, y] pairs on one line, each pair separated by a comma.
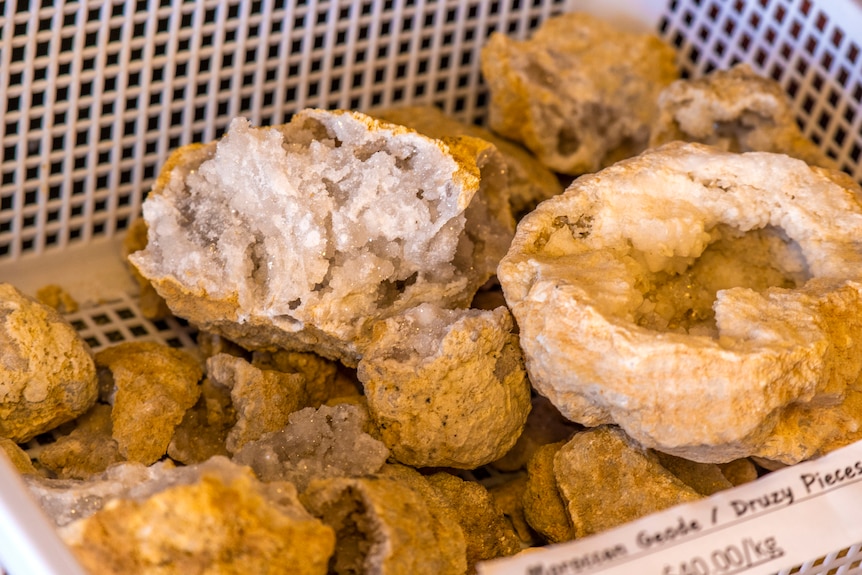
[[301, 236]]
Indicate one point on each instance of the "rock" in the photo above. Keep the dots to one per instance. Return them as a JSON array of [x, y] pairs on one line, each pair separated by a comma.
[[155, 386], [580, 94], [316, 443], [735, 110], [47, 374], [709, 303], [302, 236], [446, 387], [217, 518], [87, 450], [607, 480], [529, 182], [383, 526]]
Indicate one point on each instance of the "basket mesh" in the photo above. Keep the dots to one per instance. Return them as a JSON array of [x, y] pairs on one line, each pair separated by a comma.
[[95, 94]]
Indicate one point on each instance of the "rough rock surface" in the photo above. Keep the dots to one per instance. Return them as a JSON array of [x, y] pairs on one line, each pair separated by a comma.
[[710, 303], [580, 94], [544, 508], [316, 443], [87, 450], [302, 236], [606, 480], [262, 398], [446, 388], [530, 181], [216, 518], [385, 526], [19, 458], [735, 110], [204, 430], [47, 374], [155, 386]]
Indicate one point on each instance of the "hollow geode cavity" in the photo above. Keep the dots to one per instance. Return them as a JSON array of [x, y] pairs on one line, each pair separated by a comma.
[[709, 303], [302, 235]]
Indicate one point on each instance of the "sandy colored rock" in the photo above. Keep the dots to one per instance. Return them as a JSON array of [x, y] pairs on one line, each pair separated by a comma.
[[709, 303], [739, 471], [320, 374], [385, 527], [529, 181], [302, 236], [155, 386], [19, 458], [735, 110], [446, 388], [544, 425], [221, 523], [151, 304], [56, 297], [487, 532], [263, 399], [580, 94], [544, 508], [47, 375], [211, 344], [509, 497], [705, 478], [316, 443], [204, 430], [606, 480], [87, 450]]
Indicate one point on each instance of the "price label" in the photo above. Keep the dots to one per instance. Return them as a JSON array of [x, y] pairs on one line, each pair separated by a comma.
[[784, 519]]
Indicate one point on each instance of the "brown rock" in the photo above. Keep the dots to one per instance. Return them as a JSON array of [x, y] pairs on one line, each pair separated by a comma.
[[87, 450], [446, 388], [580, 94], [263, 399], [383, 526], [214, 525], [155, 386], [607, 480], [47, 375]]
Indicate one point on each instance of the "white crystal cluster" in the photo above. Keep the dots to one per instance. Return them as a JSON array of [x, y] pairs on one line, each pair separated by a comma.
[[303, 234]]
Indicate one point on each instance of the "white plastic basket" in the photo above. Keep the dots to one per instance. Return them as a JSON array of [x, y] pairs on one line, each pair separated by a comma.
[[95, 94]]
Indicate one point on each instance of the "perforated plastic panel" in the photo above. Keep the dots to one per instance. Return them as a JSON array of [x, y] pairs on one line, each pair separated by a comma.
[[95, 94]]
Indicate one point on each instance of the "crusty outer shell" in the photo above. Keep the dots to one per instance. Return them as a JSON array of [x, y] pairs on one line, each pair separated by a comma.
[[701, 397]]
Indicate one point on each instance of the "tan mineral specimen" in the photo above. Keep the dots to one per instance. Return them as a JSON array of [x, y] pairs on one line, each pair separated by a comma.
[[487, 532], [705, 478], [710, 303], [218, 524], [580, 94], [204, 430], [151, 304], [446, 388], [736, 110], [530, 181], [87, 450], [544, 508], [320, 374], [315, 444], [47, 375], [58, 298], [607, 480], [383, 526], [544, 425], [155, 386], [509, 496], [739, 471], [19, 458], [302, 236], [263, 398]]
